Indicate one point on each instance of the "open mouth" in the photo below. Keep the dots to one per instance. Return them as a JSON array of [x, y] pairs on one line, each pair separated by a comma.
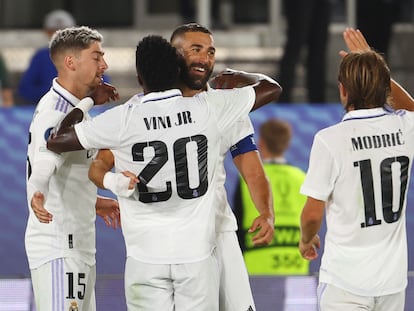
[[198, 70]]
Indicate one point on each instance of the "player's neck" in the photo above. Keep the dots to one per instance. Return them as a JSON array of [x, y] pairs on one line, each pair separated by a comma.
[[188, 92]]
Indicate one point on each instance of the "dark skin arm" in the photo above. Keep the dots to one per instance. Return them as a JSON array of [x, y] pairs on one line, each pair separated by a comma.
[[266, 90], [64, 137]]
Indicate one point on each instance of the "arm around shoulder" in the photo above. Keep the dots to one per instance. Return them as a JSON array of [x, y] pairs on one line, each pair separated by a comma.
[[267, 90]]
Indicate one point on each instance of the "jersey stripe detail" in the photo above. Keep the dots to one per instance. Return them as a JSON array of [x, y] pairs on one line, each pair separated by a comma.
[[63, 104], [57, 285]]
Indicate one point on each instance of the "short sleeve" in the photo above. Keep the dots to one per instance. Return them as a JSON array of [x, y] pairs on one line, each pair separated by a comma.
[[322, 172], [231, 105], [102, 131]]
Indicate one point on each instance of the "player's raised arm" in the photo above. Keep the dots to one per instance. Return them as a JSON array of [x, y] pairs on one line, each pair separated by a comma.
[[267, 89], [356, 42], [64, 137]]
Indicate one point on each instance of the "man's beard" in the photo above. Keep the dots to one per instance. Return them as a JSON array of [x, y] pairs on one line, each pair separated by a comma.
[[195, 82]]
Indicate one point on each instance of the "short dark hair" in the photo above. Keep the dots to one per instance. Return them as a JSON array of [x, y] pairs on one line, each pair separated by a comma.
[[157, 63], [191, 27]]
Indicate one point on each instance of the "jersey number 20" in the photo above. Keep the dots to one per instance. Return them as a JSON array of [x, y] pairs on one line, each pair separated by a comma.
[[181, 168]]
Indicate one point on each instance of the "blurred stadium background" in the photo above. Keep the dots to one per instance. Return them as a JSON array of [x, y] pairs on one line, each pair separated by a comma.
[[248, 36]]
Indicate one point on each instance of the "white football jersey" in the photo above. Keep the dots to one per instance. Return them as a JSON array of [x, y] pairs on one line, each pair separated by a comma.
[[71, 197], [173, 144], [225, 218], [361, 168]]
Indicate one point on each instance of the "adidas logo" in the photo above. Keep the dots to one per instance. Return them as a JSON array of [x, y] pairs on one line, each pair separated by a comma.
[[250, 308]]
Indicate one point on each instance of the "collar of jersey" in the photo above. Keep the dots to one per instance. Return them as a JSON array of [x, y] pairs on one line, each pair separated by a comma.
[[64, 93], [366, 114], [156, 96]]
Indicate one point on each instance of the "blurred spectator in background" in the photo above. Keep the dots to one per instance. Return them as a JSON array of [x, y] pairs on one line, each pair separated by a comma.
[[375, 19], [37, 79], [6, 98], [307, 23], [188, 12], [282, 256]]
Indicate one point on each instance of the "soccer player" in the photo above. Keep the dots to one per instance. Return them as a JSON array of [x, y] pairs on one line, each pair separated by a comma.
[[60, 245], [196, 44], [358, 174], [173, 144]]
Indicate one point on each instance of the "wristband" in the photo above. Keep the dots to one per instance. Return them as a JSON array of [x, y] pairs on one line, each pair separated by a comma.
[[85, 104], [118, 184]]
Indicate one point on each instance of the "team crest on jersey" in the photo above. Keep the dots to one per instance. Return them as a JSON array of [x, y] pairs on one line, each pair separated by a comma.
[[48, 132], [73, 306]]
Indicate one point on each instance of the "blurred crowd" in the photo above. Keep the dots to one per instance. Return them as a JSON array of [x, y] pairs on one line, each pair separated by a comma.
[[306, 43]]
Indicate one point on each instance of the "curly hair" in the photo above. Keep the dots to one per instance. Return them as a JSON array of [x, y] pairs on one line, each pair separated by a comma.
[[157, 63]]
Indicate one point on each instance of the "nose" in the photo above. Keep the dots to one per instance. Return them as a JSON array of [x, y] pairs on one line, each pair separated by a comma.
[[104, 65], [204, 58]]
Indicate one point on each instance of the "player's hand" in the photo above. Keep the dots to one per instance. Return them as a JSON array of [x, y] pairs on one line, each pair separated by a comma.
[[263, 227], [309, 250], [133, 179], [104, 93], [108, 209], [122, 184], [355, 41], [37, 204], [230, 78]]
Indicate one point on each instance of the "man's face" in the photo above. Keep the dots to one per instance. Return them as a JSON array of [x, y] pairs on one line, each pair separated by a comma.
[[91, 65], [198, 51]]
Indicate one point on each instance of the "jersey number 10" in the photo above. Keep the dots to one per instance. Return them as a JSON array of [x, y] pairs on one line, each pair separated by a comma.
[[387, 188]]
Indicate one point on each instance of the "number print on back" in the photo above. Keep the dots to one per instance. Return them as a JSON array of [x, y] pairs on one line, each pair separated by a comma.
[[387, 189], [181, 163]]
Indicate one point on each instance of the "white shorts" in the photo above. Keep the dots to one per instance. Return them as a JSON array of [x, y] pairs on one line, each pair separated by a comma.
[[181, 287], [235, 291], [331, 297], [64, 284]]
